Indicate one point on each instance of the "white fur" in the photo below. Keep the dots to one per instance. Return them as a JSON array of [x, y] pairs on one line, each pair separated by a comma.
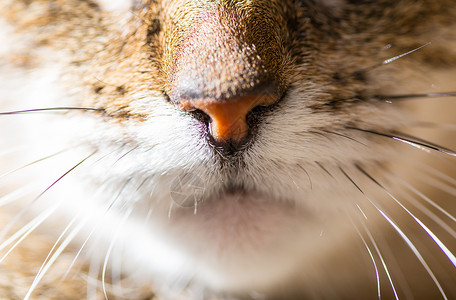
[[284, 219], [291, 203], [118, 6]]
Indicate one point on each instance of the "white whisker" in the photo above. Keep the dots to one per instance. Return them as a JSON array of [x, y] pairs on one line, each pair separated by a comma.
[[51, 261], [25, 231], [442, 246], [116, 271], [377, 249], [407, 240], [57, 242], [170, 210], [415, 251], [390, 60], [427, 200], [430, 214], [111, 246], [95, 227], [370, 235], [362, 212], [17, 194], [34, 162], [27, 207], [377, 276], [125, 154], [92, 279], [437, 173], [441, 186]]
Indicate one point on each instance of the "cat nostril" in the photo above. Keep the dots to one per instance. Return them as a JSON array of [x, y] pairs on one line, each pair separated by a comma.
[[228, 117]]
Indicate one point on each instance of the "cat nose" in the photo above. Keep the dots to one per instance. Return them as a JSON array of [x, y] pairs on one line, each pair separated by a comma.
[[229, 117], [219, 68]]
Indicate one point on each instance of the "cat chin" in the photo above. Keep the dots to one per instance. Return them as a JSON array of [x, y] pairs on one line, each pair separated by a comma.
[[236, 243], [239, 220], [231, 244]]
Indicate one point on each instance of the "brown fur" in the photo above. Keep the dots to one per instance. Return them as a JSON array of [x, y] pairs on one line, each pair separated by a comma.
[[296, 42], [308, 40]]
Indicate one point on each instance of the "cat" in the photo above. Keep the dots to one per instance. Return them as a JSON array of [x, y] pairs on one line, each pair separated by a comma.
[[200, 149]]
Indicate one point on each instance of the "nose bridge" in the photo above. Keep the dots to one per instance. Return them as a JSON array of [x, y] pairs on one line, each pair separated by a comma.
[[214, 61]]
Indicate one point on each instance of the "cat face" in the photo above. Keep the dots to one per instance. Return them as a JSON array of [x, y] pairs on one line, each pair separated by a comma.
[[237, 146]]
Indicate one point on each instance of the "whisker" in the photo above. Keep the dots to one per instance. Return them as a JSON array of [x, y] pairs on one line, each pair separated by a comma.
[[118, 195], [442, 246], [25, 231], [403, 236], [73, 262], [63, 175], [35, 162], [391, 258], [377, 249], [419, 140], [437, 173], [57, 242], [410, 140], [93, 231], [389, 60], [441, 186], [292, 180], [108, 253], [422, 196], [377, 276], [392, 59], [148, 216], [416, 252], [92, 279], [324, 169], [51, 109], [170, 210], [427, 124], [345, 136], [308, 176], [116, 272], [425, 198], [125, 154], [16, 194], [316, 133], [413, 96], [413, 201], [22, 211], [95, 227], [51, 261], [361, 210], [142, 183]]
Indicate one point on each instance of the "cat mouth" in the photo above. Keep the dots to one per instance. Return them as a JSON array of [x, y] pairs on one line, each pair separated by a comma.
[[237, 219], [189, 190], [196, 196], [231, 197]]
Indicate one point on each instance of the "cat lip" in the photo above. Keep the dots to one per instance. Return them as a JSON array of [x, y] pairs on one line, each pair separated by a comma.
[[189, 190], [197, 197], [244, 196]]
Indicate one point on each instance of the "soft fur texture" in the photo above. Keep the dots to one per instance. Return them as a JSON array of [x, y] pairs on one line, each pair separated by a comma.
[[338, 192]]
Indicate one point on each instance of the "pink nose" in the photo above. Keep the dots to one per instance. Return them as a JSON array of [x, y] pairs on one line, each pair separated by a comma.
[[228, 117]]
